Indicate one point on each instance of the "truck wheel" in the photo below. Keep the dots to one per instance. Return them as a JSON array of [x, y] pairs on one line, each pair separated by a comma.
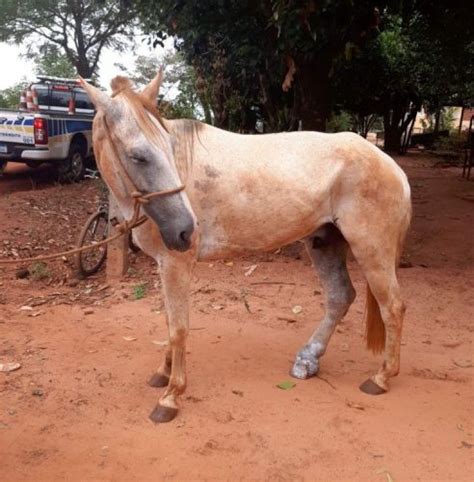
[[33, 164], [73, 167]]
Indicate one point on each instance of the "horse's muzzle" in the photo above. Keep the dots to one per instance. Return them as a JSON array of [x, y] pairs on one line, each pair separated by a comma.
[[183, 242], [174, 220], [178, 235]]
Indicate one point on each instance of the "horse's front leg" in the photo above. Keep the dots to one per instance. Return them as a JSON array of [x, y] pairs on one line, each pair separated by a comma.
[[161, 377], [176, 278]]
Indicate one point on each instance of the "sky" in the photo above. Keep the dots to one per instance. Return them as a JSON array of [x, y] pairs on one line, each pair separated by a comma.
[[17, 67]]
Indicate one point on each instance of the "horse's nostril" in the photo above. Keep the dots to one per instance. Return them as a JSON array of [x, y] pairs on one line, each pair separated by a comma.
[[186, 235]]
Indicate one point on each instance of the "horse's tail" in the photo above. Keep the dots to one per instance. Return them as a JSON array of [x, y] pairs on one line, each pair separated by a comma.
[[375, 327]]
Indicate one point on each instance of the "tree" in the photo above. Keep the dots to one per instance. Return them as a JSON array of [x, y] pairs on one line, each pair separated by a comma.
[[81, 29], [299, 60], [271, 56], [225, 43], [382, 79], [179, 98], [410, 64], [50, 61]]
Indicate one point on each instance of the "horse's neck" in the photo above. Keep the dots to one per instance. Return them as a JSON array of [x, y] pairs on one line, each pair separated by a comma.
[[185, 134]]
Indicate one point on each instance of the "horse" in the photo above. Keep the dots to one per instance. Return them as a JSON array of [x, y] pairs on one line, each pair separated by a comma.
[[211, 194]]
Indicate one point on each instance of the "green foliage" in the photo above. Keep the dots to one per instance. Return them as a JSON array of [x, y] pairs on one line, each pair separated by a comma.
[[51, 61], [243, 52], [446, 120], [10, 97], [139, 291], [178, 92], [453, 143], [409, 64], [339, 122]]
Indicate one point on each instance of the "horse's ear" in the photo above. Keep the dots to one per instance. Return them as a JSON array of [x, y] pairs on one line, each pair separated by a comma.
[[99, 98], [151, 91]]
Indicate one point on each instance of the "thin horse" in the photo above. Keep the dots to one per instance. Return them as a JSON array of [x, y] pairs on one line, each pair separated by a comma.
[[249, 193]]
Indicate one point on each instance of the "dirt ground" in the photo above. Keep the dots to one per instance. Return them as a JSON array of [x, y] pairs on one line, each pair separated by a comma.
[[78, 407]]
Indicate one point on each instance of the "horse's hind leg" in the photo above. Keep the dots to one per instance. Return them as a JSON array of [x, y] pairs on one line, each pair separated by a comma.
[[389, 309], [328, 251], [377, 255]]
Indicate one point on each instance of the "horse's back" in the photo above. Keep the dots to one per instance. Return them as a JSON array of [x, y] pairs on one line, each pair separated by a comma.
[[258, 192]]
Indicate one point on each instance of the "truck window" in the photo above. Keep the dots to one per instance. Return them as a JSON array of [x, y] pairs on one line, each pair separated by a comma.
[[60, 98], [43, 97], [83, 102]]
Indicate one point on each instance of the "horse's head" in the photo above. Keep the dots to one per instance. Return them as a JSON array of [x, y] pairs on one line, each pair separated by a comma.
[[143, 155]]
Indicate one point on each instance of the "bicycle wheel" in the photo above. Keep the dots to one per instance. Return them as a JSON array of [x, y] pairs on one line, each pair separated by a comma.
[[95, 229]]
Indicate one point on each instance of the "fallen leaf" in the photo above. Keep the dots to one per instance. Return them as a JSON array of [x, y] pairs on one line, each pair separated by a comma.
[[250, 270], [354, 405], [453, 344], [288, 320], [129, 338], [387, 474], [217, 307], [229, 263], [286, 385], [26, 308], [160, 343], [38, 313], [297, 309], [9, 367], [466, 364]]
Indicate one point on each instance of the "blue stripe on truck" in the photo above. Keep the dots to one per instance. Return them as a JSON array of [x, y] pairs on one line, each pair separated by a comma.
[[78, 125]]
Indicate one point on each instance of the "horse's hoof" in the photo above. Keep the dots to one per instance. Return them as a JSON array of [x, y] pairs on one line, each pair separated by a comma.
[[371, 388], [163, 414], [304, 368], [158, 380]]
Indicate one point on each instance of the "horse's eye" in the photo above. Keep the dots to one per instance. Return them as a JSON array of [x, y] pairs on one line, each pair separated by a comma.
[[139, 160]]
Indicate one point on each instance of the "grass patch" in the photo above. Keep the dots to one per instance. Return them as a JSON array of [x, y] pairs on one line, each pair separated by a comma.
[[39, 271], [139, 291]]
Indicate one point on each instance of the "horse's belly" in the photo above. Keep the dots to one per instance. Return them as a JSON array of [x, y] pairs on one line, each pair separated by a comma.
[[261, 225]]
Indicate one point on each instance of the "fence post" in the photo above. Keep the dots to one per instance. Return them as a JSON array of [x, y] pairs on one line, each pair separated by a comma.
[[117, 251]]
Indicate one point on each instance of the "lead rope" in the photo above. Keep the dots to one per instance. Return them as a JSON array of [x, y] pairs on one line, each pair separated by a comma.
[[124, 227]]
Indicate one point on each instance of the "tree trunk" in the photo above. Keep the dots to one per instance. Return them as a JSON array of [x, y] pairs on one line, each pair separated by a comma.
[[392, 134], [314, 92], [437, 120], [83, 68], [207, 112]]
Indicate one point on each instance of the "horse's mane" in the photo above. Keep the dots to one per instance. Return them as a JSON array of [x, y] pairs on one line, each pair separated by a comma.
[[139, 103], [183, 131]]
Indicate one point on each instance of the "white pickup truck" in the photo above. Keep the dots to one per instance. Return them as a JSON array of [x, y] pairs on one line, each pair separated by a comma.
[[53, 124]]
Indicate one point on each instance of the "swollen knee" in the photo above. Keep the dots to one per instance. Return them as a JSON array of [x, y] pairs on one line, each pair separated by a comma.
[[341, 303]]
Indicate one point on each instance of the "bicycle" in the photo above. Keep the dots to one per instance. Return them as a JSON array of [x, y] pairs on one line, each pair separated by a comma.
[[96, 229]]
